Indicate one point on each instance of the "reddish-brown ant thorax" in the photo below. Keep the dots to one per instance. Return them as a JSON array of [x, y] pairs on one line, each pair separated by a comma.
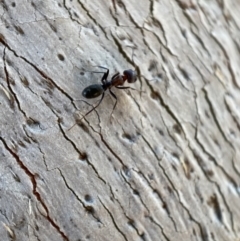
[[117, 80]]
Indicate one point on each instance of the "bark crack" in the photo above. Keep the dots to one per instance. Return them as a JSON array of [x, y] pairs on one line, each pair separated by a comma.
[[9, 84], [136, 192], [228, 62], [113, 220], [130, 220], [164, 204], [44, 75], [34, 188], [70, 14], [215, 117], [174, 188], [79, 152], [92, 18], [88, 208]]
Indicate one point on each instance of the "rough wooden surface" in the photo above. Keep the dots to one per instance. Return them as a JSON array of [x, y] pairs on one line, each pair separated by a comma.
[[165, 167]]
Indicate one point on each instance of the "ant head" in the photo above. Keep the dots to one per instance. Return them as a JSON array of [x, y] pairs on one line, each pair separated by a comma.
[[131, 75]]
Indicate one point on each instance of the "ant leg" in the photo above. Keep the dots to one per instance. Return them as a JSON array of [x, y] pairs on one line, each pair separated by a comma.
[[89, 111], [102, 67], [94, 106], [105, 75], [115, 75], [123, 87], [96, 72], [128, 87], [115, 97]]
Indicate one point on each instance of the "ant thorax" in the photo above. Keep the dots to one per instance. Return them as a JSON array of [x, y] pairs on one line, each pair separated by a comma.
[[117, 80]]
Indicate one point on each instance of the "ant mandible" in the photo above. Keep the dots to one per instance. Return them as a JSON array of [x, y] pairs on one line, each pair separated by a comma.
[[117, 80]]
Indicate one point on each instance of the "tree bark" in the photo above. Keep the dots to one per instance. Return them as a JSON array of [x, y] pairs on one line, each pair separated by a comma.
[[164, 165]]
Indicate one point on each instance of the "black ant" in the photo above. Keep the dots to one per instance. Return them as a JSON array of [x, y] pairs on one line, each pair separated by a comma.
[[95, 90]]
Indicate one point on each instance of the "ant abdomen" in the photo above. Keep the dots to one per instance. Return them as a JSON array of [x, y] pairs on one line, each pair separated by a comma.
[[92, 91], [131, 75]]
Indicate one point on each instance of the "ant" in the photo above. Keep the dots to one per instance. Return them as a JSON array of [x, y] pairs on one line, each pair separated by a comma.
[[117, 80]]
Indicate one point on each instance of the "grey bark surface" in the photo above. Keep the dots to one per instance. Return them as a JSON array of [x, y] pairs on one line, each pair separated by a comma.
[[165, 166]]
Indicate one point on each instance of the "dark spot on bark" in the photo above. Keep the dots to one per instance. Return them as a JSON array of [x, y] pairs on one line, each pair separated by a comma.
[[126, 171], [188, 169], [78, 121], [174, 168], [176, 155], [136, 192], [26, 139], [177, 128], [2, 39], [16, 177], [173, 74], [163, 57], [186, 5], [47, 102], [152, 65], [184, 33], [143, 236], [12, 82], [20, 143], [19, 30], [131, 222], [32, 123], [76, 15], [160, 75], [13, 4], [184, 73], [164, 205], [48, 83], [36, 227], [9, 62], [151, 176], [129, 137], [88, 198], [209, 173], [82, 125], [61, 57], [25, 81], [207, 114], [169, 189], [97, 143], [53, 28], [232, 132], [89, 209], [217, 143], [83, 156], [155, 95], [213, 202]]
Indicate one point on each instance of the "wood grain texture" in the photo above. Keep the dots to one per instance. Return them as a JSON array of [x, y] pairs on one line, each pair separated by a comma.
[[165, 166]]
